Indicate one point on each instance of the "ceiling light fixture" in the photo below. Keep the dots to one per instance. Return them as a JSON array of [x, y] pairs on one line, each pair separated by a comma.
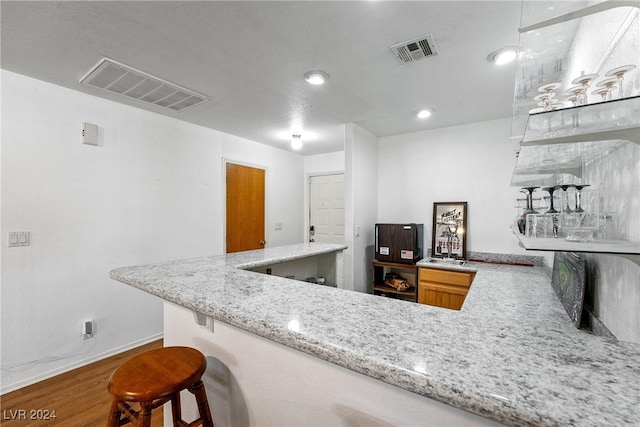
[[503, 56], [296, 142], [316, 77], [423, 114]]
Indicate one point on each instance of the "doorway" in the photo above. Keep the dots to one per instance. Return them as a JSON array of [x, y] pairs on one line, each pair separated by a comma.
[[326, 208], [245, 208]]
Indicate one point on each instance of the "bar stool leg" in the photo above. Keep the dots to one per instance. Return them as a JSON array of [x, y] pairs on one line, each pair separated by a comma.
[[114, 414], [144, 416], [203, 404], [176, 409]]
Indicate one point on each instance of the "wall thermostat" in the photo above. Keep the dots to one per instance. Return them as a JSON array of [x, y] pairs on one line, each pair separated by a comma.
[[90, 134]]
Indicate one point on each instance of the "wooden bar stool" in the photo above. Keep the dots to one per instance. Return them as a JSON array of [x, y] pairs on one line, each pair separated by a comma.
[[153, 378]]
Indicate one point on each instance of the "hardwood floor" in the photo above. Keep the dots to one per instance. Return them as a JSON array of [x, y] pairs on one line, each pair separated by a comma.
[[79, 397]]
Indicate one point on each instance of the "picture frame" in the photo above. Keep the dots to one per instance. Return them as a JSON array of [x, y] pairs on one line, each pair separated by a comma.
[[449, 234]]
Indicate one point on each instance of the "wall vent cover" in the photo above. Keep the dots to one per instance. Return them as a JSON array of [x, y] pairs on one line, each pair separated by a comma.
[[118, 78], [415, 49]]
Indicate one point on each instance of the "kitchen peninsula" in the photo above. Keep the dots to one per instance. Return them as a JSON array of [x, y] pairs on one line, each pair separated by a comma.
[[510, 355]]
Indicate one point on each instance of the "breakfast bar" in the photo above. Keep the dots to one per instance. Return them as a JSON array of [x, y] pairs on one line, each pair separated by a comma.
[[510, 356]]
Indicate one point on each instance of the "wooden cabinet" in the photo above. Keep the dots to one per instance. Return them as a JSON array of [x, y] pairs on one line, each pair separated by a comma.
[[443, 288], [406, 271]]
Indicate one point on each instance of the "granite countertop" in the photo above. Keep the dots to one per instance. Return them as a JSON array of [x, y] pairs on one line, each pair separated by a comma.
[[511, 354]]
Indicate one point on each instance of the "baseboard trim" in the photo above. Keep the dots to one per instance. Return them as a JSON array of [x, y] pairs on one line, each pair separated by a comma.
[[78, 364]]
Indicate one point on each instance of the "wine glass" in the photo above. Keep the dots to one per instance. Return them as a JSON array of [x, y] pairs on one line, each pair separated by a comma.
[[604, 92], [546, 95], [584, 80], [564, 187], [575, 91], [608, 84], [550, 190], [546, 100], [619, 72], [521, 217], [529, 191], [551, 213], [579, 187]]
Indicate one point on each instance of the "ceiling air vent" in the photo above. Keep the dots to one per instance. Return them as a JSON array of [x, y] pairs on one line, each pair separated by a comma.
[[118, 78], [415, 49]]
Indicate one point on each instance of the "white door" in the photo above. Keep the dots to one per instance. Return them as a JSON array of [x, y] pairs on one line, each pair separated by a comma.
[[326, 208]]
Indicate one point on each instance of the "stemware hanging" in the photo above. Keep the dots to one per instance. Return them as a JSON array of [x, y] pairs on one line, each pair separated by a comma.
[[584, 80], [608, 84], [619, 73]]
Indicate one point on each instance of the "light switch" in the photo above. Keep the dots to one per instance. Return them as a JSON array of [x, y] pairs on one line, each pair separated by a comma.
[[277, 226], [19, 238]]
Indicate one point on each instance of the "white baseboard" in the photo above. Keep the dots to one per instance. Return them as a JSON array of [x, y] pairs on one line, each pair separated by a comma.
[[7, 388]]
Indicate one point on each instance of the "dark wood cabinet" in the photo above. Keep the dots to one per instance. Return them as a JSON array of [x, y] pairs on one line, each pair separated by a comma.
[[408, 272]]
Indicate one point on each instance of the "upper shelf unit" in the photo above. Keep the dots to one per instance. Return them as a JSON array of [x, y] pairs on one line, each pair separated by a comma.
[[560, 42]]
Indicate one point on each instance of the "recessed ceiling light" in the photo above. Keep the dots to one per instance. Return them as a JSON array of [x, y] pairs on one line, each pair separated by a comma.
[[296, 142], [503, 56], [423, 114], [316, 77]]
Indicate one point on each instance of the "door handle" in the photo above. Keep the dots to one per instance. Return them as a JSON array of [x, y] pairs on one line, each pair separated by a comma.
[[263, 242]]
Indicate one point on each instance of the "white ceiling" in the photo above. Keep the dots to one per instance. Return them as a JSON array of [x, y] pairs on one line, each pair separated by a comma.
[[250, 58]]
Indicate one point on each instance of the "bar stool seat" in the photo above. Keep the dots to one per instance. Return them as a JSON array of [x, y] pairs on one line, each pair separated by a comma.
[[153, 378]]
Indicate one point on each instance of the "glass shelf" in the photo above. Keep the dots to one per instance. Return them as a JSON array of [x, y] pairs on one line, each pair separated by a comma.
[[568, 158], [560, 42], [617, 247], [604, 121]]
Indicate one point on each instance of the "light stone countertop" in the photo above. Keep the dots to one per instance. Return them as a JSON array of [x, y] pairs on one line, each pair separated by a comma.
[[511, 354]]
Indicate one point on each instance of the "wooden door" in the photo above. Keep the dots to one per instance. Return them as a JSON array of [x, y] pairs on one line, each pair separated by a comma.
[[326, 208], [245, 208]]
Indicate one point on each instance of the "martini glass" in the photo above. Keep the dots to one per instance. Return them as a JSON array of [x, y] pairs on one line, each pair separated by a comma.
[[619, 72]]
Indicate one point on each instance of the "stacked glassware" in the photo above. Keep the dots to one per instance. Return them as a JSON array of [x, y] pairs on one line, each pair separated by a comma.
[[569, 211]]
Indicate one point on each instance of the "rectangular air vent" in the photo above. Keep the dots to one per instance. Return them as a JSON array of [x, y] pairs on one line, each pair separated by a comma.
[[118, 78], [415, 49]]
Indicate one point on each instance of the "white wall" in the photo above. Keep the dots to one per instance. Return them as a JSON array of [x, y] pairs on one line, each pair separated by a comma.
[[151, 191], [361, 200], [324, 163], [471, 163]]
